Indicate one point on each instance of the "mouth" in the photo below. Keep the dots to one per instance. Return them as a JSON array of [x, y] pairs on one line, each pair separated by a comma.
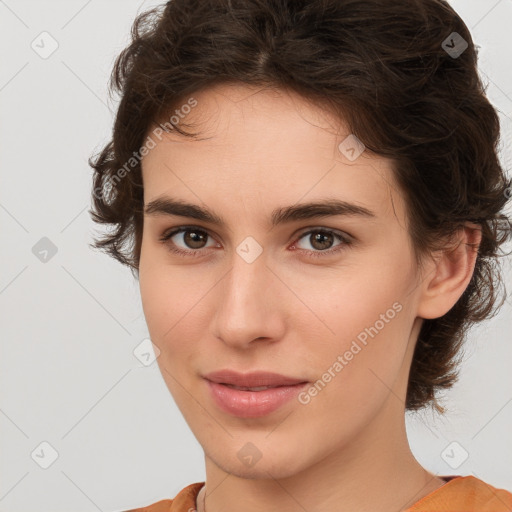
[[245, 388], [253, 381], [252, 402]]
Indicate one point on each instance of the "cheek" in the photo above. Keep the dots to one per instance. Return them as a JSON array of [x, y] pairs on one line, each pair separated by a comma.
[[154, 296], [161, 305], [162, 288], [354, 378], [355, 303], [167, 301], [175, 302], [366, 326]]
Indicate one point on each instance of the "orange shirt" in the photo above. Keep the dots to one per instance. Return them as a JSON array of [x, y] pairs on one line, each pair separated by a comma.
[[459, 494]]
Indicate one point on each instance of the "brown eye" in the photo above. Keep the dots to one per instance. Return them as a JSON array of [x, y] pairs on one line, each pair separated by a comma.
[[194, 239], [190, 241], [186, 240], [321, 242]]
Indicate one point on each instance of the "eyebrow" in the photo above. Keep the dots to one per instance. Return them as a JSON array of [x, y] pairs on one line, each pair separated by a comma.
[[320, 208]]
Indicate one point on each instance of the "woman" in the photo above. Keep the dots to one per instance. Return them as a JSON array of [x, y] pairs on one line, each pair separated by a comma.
[[310, 196]]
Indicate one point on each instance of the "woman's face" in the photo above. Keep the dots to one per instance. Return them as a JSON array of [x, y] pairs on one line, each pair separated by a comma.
[[292, 297]]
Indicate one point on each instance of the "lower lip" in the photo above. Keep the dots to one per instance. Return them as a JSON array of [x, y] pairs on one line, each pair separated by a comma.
[[252, 404]]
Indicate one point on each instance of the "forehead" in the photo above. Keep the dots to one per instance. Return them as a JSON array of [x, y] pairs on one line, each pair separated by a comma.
[[269, 144]]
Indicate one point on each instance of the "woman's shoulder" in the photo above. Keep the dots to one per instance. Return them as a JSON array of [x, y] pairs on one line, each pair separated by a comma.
[[466, 493], [184, 501]]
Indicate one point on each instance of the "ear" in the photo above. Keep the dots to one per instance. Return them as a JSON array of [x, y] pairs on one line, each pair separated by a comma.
[[448, 276]]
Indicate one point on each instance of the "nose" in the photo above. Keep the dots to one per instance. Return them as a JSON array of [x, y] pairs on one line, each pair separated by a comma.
[[251, 304]]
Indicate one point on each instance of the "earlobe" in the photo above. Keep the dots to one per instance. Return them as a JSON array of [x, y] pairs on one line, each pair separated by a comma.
[[449, 273]]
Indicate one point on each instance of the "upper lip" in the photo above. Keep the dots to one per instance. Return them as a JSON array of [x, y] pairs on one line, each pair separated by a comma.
[[252, 379]]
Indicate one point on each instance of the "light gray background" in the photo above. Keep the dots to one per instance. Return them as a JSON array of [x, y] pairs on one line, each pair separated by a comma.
[[69, 326]]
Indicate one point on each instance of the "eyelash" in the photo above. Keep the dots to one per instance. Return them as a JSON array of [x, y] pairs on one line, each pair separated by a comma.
[[165, 239]]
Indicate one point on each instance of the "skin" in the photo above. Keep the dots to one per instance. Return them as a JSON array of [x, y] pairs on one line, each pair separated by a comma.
[[287, 311]]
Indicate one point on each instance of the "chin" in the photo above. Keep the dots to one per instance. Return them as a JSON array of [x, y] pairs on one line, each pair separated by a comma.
[[268, 461]]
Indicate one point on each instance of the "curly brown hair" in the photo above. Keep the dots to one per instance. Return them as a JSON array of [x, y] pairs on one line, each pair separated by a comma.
[[395, 72]]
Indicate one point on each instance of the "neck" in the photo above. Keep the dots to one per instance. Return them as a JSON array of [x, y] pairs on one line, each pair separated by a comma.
[[376, 471]]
